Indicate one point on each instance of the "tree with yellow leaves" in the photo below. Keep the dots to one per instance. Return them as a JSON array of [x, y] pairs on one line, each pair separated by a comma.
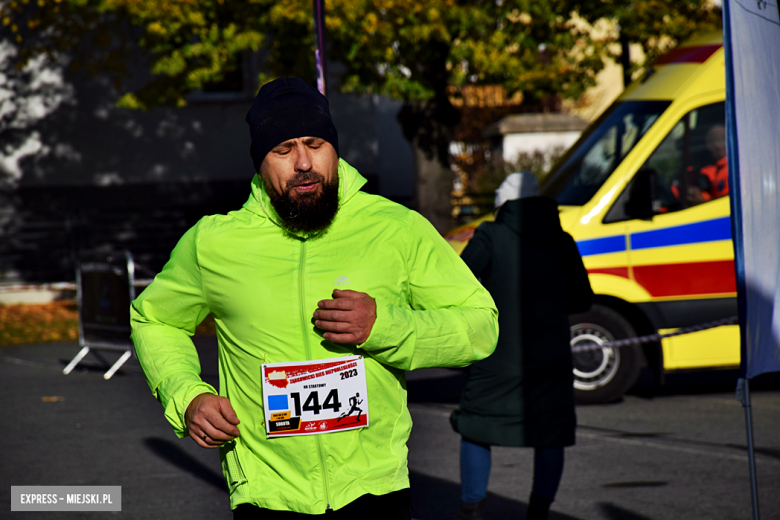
[[422, 52]]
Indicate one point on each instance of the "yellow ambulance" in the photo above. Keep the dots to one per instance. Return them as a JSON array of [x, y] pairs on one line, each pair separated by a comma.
[[644, 192]]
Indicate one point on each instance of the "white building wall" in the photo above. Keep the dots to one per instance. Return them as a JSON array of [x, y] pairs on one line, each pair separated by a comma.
[[514, 144]]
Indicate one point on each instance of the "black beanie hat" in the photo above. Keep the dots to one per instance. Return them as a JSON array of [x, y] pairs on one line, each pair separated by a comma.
[[284, 109]]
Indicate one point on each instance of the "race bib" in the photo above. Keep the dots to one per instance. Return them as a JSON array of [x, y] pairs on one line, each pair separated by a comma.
[[311, 397]]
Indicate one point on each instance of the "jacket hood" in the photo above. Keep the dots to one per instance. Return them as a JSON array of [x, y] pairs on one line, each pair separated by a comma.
[[535, 218], [259, 203]]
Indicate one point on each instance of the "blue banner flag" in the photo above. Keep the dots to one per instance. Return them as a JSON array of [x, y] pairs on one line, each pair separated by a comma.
[[752, 47]]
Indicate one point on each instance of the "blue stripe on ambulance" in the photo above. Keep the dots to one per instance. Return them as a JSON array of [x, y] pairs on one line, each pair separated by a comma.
[[600, 246], [706, 231]]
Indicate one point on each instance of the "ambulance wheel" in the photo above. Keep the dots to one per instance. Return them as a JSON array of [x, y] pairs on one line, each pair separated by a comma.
[[603, 375]]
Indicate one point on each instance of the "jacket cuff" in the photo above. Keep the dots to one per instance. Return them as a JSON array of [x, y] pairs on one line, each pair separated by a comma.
[[390, 320], [179, 400]]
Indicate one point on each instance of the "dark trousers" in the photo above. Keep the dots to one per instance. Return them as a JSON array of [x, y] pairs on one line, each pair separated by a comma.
[[475, 471], [393, 506]]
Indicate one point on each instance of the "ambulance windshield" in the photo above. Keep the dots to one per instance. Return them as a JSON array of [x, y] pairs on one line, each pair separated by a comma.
[[600, 149]]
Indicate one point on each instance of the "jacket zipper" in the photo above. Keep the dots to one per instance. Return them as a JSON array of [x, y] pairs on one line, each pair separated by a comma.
[[304, 327]]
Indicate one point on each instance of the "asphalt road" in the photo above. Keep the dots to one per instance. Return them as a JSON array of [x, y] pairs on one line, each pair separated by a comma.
[[676, 452], [673, 453]]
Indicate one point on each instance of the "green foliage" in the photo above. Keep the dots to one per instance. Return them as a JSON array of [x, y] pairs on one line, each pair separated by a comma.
[[52, 28], [408, 49], [414, 50], [425, 53], [418, 51], [658, 25], [190, 43]]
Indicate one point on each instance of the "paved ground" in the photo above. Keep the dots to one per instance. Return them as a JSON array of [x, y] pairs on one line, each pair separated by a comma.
[[676, 453], [102, 433], [671, 454]]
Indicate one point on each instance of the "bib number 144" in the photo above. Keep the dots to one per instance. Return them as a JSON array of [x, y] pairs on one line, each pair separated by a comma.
[[312, 402], [313, 397]]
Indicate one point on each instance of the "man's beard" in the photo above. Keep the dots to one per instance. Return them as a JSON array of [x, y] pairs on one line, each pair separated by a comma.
[[306, 212]]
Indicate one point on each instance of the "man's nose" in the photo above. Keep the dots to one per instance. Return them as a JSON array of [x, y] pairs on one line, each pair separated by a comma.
[[302, 159]]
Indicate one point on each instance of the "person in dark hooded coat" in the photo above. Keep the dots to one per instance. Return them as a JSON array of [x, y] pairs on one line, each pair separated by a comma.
[[522, 395]]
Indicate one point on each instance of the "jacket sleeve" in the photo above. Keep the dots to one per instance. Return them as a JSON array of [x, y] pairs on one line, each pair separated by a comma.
[[450, 319], [579, 295], [163, 319]]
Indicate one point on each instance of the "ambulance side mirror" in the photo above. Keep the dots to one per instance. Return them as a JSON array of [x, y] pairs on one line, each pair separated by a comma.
[[641, 195]]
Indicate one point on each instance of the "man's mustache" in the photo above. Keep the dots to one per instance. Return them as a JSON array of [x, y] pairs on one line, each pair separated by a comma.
[[304, 178]]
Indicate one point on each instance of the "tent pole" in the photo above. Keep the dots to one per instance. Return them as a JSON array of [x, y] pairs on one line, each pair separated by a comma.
[[319, 45], [743, 395]]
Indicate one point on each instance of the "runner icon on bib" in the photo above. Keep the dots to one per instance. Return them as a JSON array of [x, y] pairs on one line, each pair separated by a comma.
[[354, 401]]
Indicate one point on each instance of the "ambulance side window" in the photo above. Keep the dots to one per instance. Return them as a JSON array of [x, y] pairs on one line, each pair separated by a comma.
[[707, 171], [667, 161], [688, 167]]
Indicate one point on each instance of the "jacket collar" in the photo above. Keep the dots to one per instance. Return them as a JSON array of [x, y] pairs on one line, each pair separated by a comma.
[[350, 182]]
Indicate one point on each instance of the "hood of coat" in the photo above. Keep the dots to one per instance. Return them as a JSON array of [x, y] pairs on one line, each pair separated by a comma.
[[350, 182], [535, 218]]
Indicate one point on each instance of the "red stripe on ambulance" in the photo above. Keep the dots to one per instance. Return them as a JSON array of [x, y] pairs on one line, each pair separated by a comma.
[[614, 271], [698, 54], [687, 279]]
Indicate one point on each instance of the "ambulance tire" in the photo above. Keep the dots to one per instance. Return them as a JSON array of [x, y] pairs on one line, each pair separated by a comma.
[[603, 375]]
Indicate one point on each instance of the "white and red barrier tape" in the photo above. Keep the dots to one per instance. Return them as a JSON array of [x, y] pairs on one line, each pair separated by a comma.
[[652, 338]]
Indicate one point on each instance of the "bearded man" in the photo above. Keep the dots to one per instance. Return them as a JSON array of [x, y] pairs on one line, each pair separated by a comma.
[[319, 292]]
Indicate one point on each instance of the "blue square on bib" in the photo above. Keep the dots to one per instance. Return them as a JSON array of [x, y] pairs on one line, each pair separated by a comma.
[[277, 402]]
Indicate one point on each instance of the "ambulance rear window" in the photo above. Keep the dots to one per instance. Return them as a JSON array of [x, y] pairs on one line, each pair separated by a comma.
[[600, 149]]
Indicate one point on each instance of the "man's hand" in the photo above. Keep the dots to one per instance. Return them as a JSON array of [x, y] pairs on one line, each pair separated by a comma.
[[211, 420], [348, 318]]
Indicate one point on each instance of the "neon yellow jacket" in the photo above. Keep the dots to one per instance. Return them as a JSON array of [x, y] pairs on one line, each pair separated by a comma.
[[262, 286]]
